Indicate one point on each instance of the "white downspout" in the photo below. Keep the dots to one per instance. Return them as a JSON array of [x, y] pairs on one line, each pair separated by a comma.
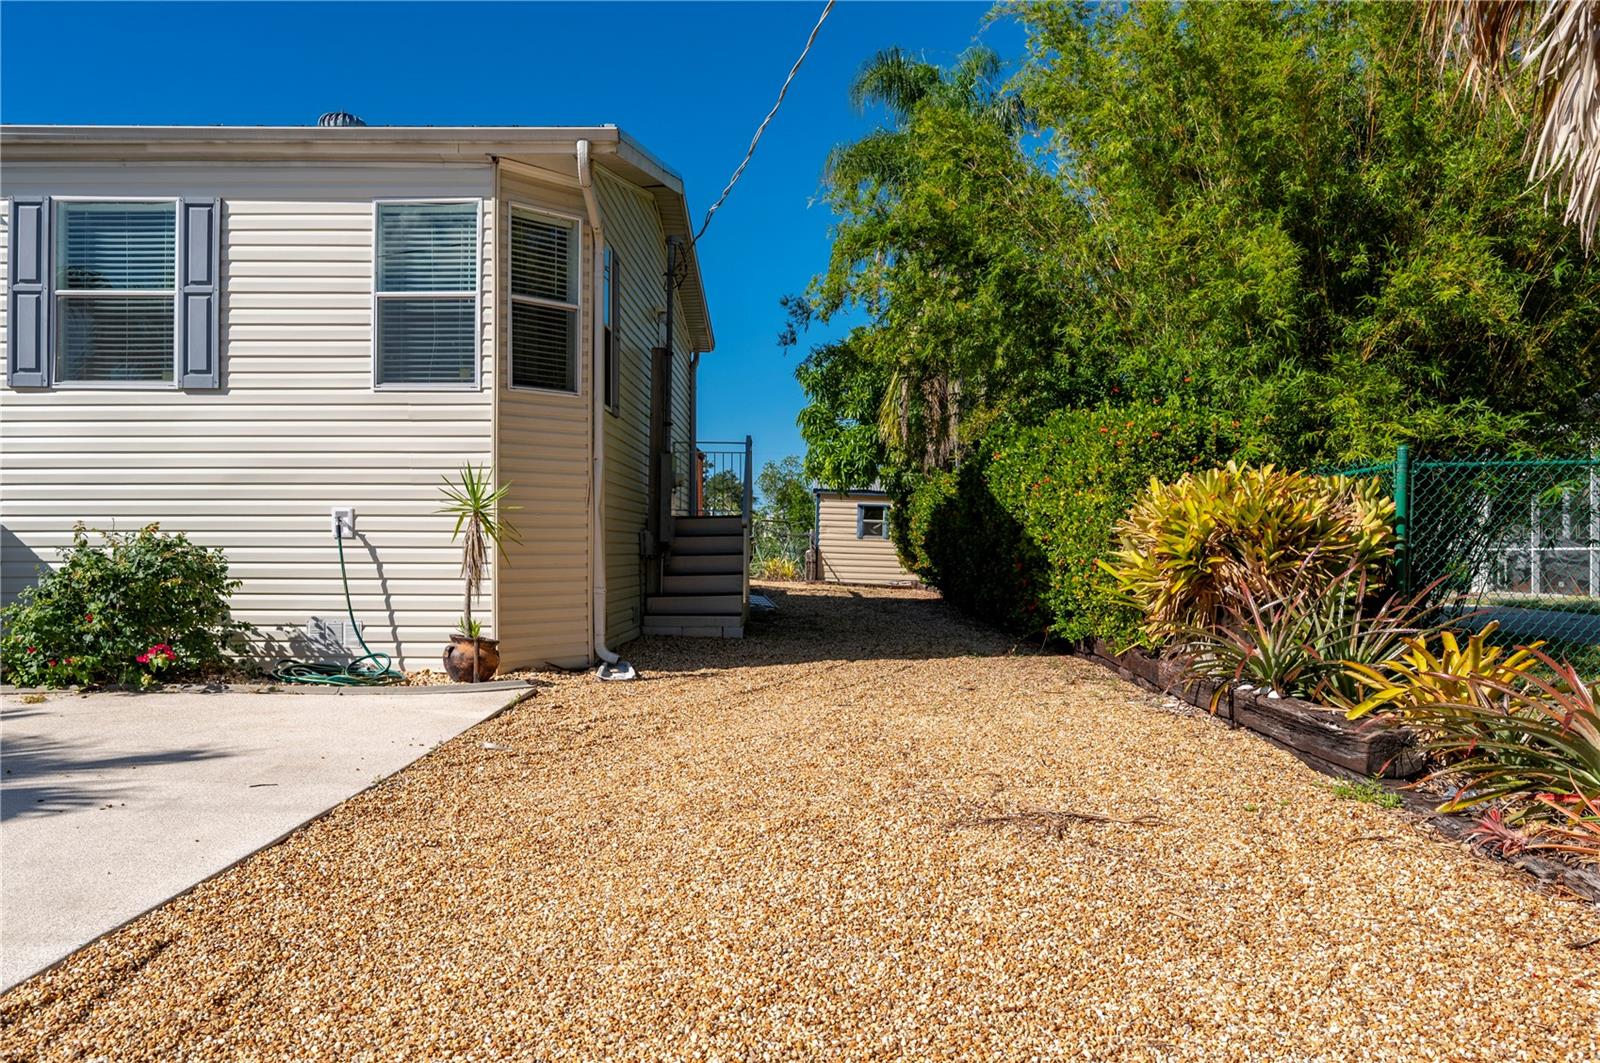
[[611, 666]]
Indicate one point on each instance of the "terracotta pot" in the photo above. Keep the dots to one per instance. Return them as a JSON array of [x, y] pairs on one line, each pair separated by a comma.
[[464, 651]]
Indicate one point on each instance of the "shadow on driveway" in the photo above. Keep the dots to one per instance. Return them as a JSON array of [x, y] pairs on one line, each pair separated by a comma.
[[44, 776]]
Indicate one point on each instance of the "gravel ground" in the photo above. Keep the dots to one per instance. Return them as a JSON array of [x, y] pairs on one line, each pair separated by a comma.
[[870, 830]]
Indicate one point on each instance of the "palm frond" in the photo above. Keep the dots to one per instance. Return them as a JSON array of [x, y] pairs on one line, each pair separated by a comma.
[[894, 79], [1559, 40]]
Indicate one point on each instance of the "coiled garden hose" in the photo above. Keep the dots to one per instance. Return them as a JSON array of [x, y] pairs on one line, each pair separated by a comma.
[[370, 669]]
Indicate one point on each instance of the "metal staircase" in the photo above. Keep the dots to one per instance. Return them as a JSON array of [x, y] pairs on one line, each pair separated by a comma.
[[705, 572]]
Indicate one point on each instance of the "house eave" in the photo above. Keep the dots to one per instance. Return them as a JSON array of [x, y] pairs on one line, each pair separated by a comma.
[[536, 145]]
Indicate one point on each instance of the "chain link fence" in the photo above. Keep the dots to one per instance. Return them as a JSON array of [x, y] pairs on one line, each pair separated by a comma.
[[778, 548], [1508, 540]]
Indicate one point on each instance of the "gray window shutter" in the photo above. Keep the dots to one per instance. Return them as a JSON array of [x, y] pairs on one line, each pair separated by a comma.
[[199, 295], [28, 295]]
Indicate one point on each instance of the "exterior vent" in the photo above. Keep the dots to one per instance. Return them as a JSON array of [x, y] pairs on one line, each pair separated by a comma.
[[335, 119], [330, 637]]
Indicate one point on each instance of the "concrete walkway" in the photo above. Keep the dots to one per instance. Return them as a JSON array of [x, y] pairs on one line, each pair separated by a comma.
[[113, 803]]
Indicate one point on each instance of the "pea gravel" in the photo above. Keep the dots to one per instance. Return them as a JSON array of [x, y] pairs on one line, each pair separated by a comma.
[[870, 830]]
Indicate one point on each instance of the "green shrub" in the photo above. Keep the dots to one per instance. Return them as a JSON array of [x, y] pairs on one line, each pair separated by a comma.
[[1185, 547], [1069, 480], [139, 607], [1013, 536], [952, 532]]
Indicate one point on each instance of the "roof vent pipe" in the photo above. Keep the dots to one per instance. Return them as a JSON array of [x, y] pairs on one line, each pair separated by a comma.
[[339, 119]]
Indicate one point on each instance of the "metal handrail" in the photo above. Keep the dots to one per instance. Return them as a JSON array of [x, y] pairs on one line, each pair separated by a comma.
[[714, 479]]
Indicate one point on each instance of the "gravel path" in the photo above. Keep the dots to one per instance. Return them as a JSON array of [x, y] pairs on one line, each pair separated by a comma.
[[870, 830]]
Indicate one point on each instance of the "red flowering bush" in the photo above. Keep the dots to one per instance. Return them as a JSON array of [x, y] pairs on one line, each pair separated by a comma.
[[137, 606]]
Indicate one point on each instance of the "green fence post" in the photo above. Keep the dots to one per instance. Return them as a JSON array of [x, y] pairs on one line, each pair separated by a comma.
[[1402, 516]]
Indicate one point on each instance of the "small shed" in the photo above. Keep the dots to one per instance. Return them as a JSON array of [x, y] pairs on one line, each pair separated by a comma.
[[851, 542]]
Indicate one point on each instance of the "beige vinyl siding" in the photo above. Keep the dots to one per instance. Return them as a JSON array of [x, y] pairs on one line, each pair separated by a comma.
[[543, 451], [5, 269], [847, 559], [297, 427], [633, 230]]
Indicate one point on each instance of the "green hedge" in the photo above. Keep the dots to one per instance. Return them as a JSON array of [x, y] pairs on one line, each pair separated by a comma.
[[1013, 535], [953, 532]]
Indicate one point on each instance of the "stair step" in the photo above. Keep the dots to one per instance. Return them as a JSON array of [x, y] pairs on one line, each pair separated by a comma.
[[677, 605], [712, 627], [703, 583], [693, 526], [705, 564], [709, 544]]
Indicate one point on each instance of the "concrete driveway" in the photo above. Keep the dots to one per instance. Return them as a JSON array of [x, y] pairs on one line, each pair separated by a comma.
[[113, 803]]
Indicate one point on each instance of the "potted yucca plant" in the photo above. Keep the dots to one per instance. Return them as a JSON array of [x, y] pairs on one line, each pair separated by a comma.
[[476, 504]]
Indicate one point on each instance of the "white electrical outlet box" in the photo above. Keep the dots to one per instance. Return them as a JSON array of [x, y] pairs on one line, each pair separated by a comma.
[[344, 522]]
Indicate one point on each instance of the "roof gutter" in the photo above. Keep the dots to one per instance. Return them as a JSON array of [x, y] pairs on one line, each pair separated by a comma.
[[611, 666]]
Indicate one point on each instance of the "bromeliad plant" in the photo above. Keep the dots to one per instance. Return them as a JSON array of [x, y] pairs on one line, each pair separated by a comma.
[[1422, 675], [1188, 549], [1534, 733], [1302, 644]]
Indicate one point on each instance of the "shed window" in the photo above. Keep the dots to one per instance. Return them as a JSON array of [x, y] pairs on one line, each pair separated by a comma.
[[116, 292], [427, 294], [872, 522], [544, 302]]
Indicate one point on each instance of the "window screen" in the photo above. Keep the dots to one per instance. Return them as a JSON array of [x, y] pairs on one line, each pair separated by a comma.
[[115, 283], [613, 336], [427, 293], [872, 522], [544, 302]]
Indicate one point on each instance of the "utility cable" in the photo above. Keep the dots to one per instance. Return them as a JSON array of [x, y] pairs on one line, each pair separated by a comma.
[[762, 128]]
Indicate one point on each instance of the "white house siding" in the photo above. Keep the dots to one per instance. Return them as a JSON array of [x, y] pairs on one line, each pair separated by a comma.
[[633, 230], [5, 278], [847, 559], [543, 452], [296, 428]]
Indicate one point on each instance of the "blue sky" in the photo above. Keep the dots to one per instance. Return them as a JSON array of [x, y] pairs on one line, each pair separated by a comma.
[[690, 81]]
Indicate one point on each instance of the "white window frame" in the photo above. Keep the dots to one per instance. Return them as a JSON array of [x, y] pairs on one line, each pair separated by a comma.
[[861, 519], [477, 301], [55, 294], [577, 391]]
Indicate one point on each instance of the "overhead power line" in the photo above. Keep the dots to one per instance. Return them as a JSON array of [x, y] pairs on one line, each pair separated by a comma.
[[762, 128]]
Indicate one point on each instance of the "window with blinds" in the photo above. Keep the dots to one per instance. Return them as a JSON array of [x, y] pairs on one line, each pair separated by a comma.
[[544, 302], [427, 294], [613, 336], [116, 292]]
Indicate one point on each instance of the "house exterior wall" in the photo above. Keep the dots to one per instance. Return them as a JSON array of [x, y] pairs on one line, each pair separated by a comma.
[[296, 427], [634, 232], [543, 447], [846, 558]]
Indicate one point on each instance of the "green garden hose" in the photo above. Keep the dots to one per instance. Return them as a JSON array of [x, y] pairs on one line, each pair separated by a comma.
[[371, 669]]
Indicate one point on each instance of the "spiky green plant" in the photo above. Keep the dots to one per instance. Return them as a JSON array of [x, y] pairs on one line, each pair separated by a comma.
[[478, 507], [1303, 643], [1185, 547], [1538, 734]]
